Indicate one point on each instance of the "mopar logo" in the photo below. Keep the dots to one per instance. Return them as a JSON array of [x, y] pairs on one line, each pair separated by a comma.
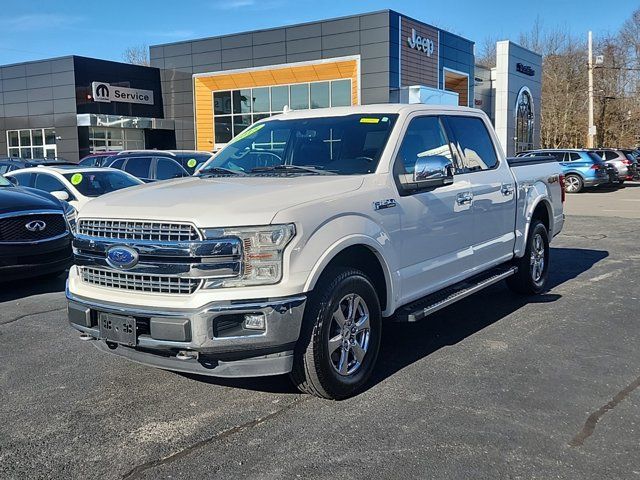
[[35, 226], [122, 258], [102, 91]]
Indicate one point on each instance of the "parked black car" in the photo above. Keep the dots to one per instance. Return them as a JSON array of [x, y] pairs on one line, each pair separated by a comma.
[[9, 164], [35, 233], [149, 167], [190, 160]]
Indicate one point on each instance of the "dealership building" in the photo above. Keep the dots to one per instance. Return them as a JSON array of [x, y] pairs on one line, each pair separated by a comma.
[[198, 94]]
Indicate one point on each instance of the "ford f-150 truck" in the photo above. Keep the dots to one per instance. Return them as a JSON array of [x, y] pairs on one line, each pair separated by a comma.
[[290, 248]]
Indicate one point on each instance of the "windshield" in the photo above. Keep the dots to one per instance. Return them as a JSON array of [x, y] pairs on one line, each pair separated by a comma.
[[94, 184], [346, 145]]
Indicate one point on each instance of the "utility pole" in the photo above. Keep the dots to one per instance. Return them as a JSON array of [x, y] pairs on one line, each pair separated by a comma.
[[592, 128]]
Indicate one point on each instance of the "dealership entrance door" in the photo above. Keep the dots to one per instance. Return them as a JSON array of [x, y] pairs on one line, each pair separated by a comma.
[[457, 82]]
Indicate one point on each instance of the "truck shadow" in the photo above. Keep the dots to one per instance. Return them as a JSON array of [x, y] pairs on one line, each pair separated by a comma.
[[404, 344]]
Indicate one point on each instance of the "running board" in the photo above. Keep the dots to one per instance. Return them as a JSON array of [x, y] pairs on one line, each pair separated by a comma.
[[432, 303]]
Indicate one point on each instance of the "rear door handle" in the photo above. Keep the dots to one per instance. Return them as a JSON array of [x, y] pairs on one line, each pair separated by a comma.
[[464, 198], [507, 189]]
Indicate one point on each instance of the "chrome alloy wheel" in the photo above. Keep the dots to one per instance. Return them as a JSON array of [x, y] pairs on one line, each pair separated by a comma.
[[537, 258], [349, 334], [572, 184]]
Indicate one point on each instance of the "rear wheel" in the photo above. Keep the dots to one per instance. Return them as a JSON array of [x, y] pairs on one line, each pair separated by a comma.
[[620, 182], [340, 336], [573, 183], [533, 267]]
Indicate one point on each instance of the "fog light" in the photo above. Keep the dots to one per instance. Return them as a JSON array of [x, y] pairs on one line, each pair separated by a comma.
[[255, 321]]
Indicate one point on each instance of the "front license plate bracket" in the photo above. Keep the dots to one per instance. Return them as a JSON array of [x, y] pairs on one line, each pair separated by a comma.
[[117, 328]]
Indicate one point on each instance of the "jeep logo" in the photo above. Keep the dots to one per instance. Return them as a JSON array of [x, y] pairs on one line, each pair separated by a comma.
[[422, 44]]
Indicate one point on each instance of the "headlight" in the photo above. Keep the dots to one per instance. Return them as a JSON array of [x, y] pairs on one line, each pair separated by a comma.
[[71, 215], [262, 254]]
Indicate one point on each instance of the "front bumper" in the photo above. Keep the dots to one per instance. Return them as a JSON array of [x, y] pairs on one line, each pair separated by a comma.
[[19, 261], [210, 341]]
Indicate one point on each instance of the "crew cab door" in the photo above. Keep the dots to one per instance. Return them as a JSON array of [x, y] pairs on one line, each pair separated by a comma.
[[434, 247], [494, 190]]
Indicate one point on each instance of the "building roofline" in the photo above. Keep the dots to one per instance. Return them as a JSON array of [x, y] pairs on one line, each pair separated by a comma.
[[291, 25]]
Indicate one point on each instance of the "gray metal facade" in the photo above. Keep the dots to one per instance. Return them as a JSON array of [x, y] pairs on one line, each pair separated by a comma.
[[373, 36], [39, 95]]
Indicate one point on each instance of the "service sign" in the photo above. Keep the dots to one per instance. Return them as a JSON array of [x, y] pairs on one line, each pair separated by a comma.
[[107, 93]]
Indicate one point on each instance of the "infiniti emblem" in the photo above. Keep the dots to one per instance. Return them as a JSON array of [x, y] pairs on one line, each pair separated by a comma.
[[122, 257], [35, 226]]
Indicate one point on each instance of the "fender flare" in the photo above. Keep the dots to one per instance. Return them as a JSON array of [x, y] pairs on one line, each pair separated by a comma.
[[349, 241]]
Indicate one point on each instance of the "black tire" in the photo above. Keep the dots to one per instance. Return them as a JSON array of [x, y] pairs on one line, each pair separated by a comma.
[[573, 183], [527, 281], [620, 183], [314, 368]]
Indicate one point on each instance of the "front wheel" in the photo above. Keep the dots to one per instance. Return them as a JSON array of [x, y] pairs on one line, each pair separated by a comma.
[[340, 336], [533, 267]]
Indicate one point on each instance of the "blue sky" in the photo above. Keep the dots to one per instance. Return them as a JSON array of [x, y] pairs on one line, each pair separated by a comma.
[[34, 29]]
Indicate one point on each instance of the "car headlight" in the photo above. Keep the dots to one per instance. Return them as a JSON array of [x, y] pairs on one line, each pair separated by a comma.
[[71, 214], [262, 254]]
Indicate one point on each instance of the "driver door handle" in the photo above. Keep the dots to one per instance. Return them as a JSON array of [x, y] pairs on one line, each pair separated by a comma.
[[464, 198], [507, 189]]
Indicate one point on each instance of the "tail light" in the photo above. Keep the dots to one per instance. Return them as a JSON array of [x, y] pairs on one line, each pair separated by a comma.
[[596, 166], [627, 162], [563, 195]]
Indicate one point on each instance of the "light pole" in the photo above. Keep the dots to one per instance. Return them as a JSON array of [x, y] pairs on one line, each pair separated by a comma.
[[592, 128]]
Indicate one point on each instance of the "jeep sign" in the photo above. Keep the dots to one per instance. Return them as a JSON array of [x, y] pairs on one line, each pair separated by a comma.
[[105, 92], [422, 44]]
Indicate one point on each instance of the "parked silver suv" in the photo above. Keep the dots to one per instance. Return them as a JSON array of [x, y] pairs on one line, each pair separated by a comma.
[[624, 164]]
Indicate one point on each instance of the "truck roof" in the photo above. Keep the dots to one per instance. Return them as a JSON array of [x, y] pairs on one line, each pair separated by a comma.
[[376, 109]]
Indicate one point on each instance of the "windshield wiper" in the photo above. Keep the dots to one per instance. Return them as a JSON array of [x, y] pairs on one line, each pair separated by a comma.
[[219, 170], [293, 169]]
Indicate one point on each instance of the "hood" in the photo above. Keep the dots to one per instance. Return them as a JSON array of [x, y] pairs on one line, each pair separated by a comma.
[[18, 199], [218, 202]]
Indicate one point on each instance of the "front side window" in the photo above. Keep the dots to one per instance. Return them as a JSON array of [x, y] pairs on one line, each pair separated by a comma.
[[167, 168], [424, 138], [94, 184], [344, 145], [49, 183], [138, 166], [23, 179], [474, 142]]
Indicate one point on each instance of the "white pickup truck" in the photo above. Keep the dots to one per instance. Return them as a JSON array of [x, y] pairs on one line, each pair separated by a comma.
[[297, 240]]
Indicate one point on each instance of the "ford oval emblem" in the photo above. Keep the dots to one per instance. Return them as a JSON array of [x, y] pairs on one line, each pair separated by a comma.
[[122, 258]]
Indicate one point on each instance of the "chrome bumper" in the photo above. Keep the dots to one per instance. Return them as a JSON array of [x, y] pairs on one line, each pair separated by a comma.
[[209, 341]]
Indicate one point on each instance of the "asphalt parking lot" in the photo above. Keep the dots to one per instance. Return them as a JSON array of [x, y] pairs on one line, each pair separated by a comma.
[[496, 386]]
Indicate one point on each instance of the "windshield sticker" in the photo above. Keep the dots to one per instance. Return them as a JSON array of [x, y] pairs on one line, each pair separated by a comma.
[[246, 133], [192, 163], [76, 178], [369, 120]]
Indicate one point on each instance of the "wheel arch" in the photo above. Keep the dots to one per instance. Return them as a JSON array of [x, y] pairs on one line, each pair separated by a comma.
[[358, 252]]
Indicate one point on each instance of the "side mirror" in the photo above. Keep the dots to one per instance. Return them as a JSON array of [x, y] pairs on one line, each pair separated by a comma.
[[61, 195], [430, 171]]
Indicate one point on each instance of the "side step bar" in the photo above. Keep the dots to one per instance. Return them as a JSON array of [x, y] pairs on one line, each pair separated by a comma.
[[432, 303]]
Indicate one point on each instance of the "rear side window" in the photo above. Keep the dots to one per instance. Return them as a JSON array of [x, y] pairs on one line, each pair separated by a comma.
[[573, 156], [167, 168], [595, 157], [88, 162], [138, 166], [474, 142]]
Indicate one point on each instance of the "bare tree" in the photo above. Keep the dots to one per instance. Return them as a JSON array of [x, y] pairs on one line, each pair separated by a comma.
[[137, 55], [487, 52]]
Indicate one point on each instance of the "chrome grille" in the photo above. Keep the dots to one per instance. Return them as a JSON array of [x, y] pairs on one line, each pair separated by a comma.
[[138, 282], [138, 230]]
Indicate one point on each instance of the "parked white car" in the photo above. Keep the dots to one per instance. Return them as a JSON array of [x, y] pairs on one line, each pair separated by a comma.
[[76, 185], [307, 231]]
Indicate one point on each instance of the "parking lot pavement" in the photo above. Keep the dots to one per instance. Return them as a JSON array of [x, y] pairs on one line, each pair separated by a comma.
[[606, 201], [497, 386]]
